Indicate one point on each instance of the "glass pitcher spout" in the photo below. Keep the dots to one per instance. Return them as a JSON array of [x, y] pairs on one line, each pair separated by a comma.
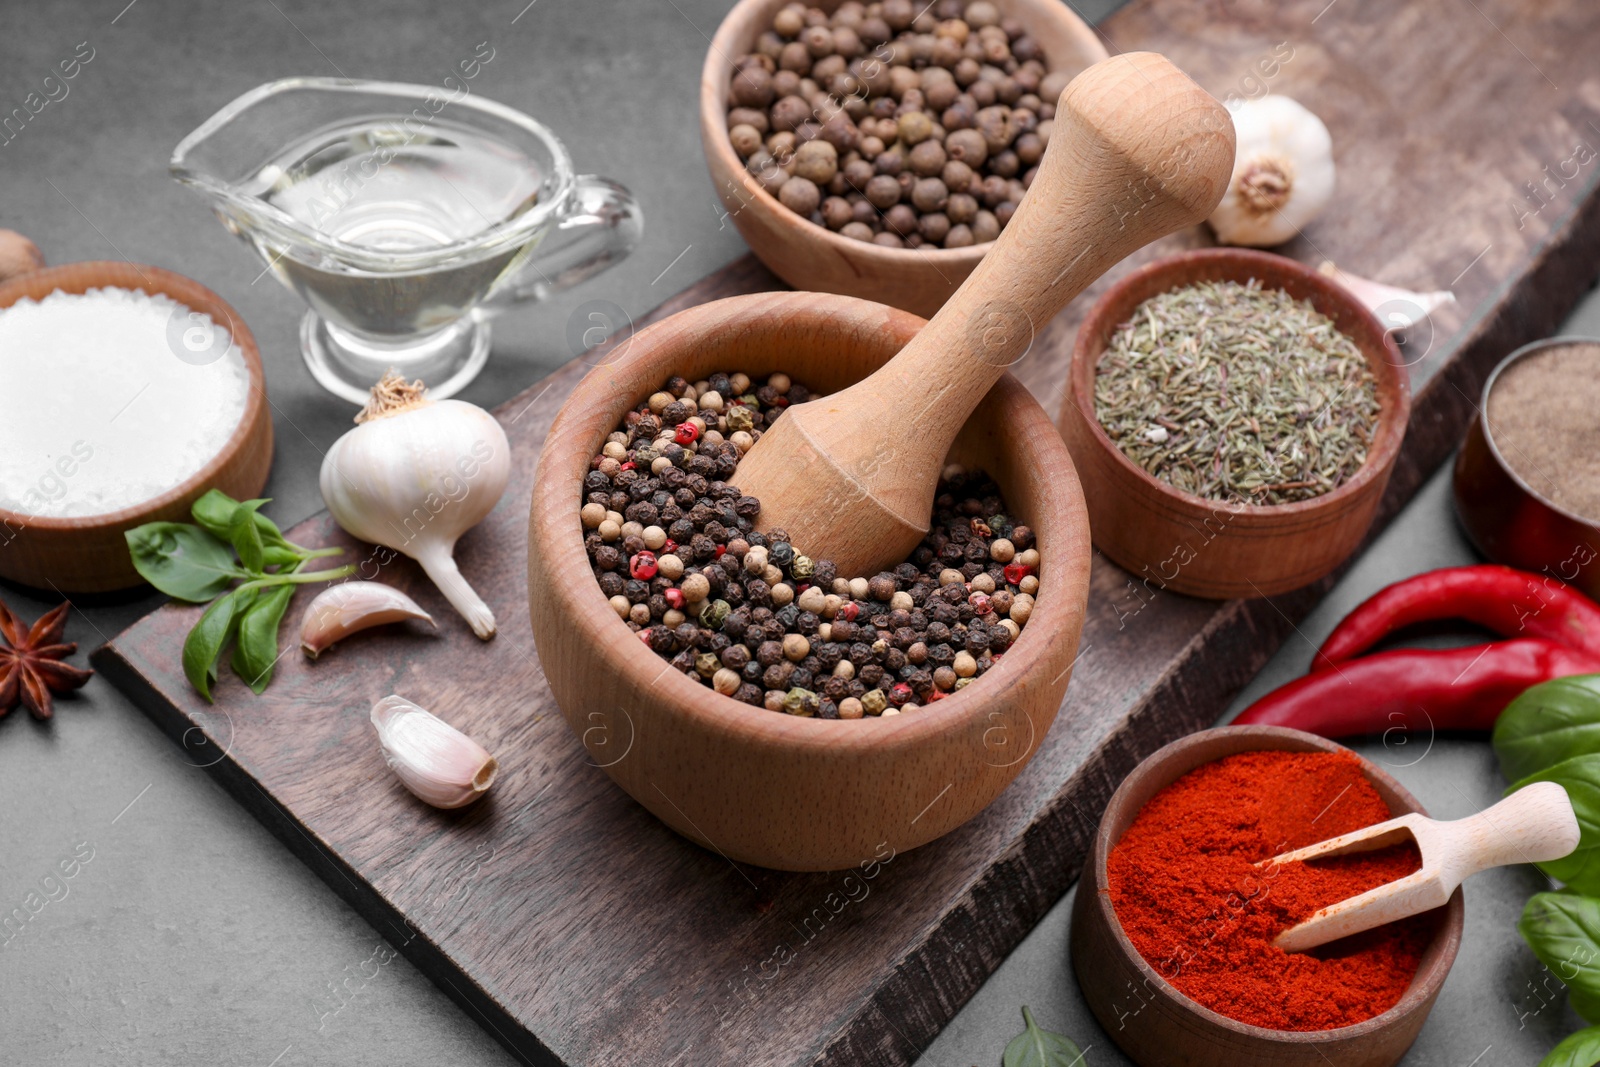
[[404, 216]]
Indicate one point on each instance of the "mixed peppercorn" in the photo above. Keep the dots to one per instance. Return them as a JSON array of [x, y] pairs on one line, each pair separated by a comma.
[[673, 544], [906, 125]]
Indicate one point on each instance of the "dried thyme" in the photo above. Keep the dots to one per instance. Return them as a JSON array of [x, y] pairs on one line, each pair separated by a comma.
[[1235, 392]]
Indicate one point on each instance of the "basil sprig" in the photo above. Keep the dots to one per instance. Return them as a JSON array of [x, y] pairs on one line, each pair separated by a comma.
[[197, 563], [1581, 1049], [1551, 733], [1040, 1048]]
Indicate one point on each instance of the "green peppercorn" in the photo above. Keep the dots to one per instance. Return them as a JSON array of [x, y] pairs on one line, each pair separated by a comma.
[[802, 702], [740, 418], [713, 614], [874, 701], [802, 568], [706, 664]]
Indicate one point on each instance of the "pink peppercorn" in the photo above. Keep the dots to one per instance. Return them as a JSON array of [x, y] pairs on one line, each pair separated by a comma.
[[629, 466], [848, 611], [643, 566], [669, 546], [674, 598], [979, 602], [1015, 572], [687, 433], [900, 695]]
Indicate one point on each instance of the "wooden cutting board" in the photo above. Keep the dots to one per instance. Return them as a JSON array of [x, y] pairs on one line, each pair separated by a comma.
[[580, 931]]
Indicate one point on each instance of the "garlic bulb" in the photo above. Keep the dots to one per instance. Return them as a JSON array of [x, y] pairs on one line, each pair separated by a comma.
[[1396, 308], [347, 608], [1282, 173], [414, 475], [433, 759]]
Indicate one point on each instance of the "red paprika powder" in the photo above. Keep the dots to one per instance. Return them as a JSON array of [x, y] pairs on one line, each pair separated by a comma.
[[1189, 896]]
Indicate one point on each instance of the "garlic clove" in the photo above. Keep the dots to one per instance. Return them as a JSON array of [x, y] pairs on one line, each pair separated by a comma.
[[1283, 173], [440, 764], [341, 610], [1396, 308]]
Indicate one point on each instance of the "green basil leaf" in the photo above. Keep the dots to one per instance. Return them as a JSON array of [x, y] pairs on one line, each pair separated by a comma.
[[1582, 1049], [210, 637], [1587, 1005], [182, 561], [1040, 1048], [278, 556], [257, 651], [1580, 777], [246, 536], [214, 511], [1547, 724], [1563, 929]]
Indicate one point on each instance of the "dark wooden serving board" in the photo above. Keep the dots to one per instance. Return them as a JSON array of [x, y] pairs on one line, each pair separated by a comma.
[[580, 931]]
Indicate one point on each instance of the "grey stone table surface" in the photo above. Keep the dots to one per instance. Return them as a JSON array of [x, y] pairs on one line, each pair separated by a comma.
[[188, 935]]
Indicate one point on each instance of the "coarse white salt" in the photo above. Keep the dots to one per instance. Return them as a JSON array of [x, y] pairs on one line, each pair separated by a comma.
[[110, 398]]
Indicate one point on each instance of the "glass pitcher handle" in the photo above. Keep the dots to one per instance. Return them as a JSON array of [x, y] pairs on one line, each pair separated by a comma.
[[601, 226]]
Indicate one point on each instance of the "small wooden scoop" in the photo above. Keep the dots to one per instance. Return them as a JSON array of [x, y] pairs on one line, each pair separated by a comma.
[[1138, 151], [1534, 824]]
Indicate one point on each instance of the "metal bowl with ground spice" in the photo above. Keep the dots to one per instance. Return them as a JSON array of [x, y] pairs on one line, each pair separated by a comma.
[[1527, 480]]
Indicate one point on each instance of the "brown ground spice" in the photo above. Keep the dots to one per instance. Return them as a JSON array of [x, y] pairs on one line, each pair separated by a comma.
[[1544, 416]]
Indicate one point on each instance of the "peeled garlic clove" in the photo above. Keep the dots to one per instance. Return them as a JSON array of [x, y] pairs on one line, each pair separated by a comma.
[[341, 610], [437, 762], [1396, 308], [1282, 173]]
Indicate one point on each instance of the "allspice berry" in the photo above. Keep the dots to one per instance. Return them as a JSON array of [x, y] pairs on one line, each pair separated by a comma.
[[883, 192], [816, 161], [800, 195]]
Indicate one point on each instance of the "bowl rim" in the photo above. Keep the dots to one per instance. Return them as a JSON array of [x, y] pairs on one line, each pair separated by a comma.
[[1424, 984], [957, 713], [1529, 349], [714, 127], [1392, 420], [77, 278]]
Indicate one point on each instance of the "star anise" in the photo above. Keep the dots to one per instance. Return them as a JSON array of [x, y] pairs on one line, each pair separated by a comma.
[[31, 666]]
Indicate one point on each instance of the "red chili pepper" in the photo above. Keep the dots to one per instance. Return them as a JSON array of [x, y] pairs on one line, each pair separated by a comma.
[[1015, 572], [1510, 602], [687, 433], [1412, 688], [643, 566]]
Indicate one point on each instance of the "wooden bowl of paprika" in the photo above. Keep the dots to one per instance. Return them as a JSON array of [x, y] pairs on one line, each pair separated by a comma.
[[1213, 547], [1156, 1024]]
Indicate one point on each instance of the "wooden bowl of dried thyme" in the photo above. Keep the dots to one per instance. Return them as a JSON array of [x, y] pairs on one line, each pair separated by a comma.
[[1234, 417]]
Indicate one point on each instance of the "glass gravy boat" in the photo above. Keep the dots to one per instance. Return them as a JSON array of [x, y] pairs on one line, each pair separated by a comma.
[[404, 216]]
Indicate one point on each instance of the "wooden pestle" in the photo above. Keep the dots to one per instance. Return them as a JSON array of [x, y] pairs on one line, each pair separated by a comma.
[[1138, 151]]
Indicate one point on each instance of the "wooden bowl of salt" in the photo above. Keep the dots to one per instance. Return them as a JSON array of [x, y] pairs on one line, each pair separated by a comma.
[[1527, 479], [135, 390]]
